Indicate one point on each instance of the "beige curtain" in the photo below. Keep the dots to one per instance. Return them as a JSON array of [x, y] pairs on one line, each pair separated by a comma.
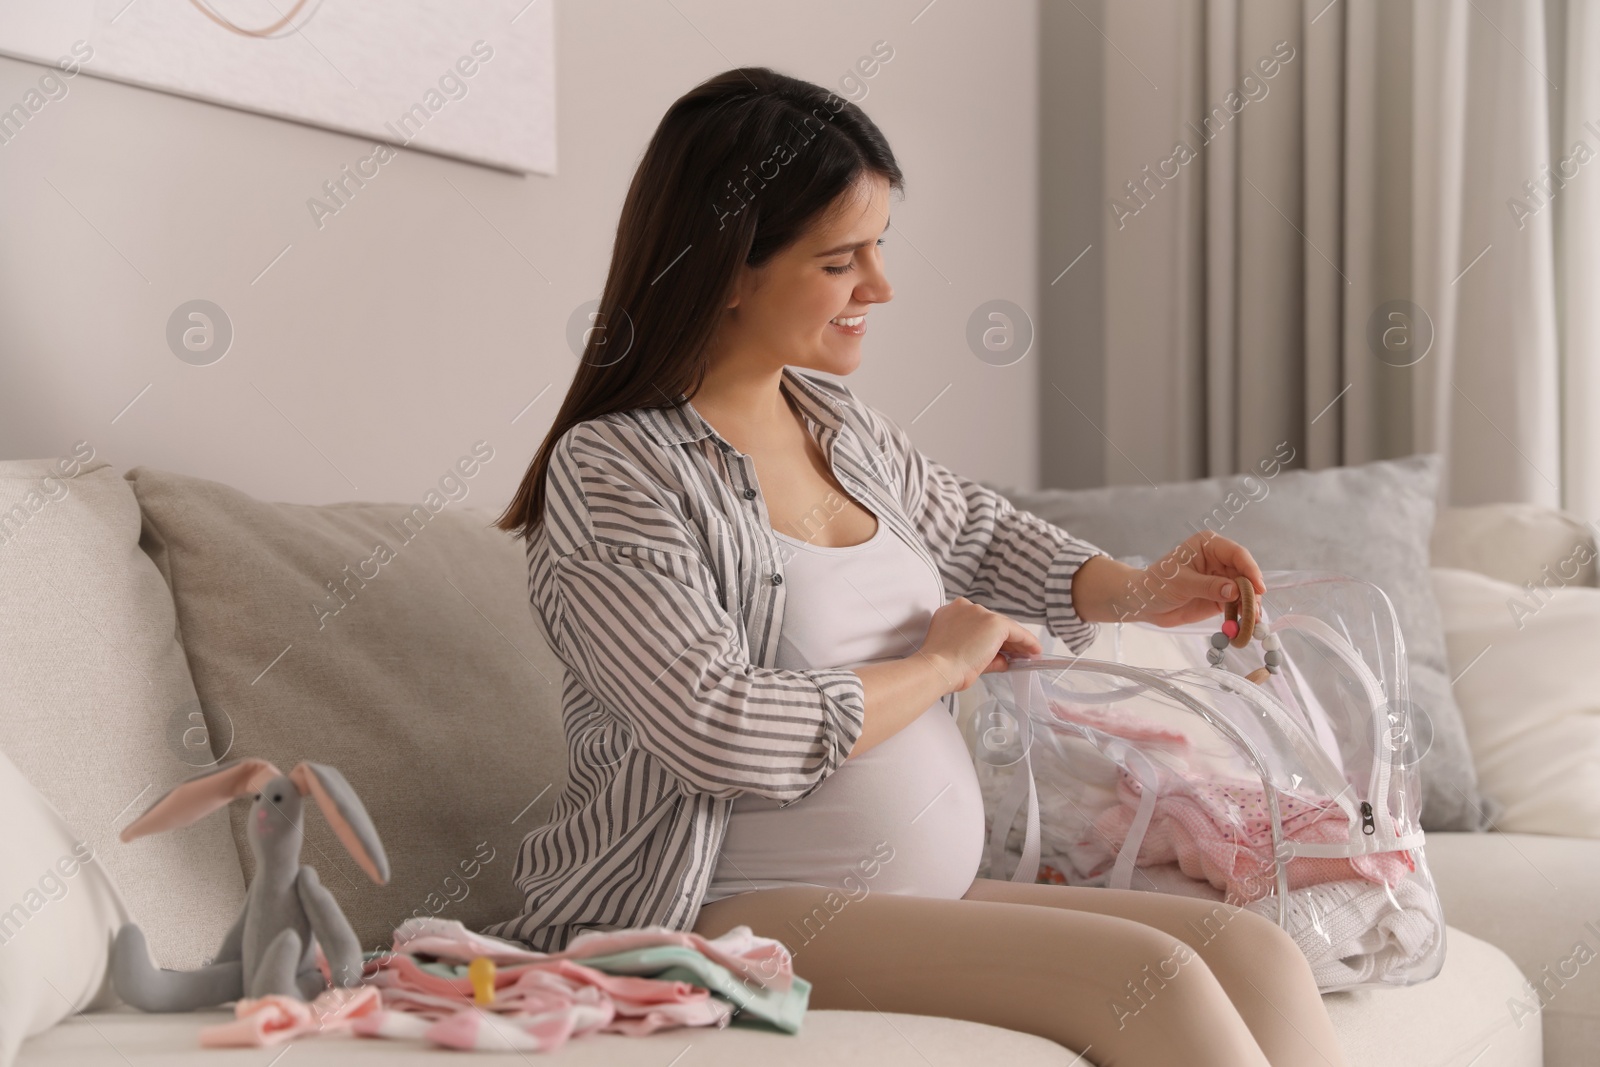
[[1384, 238]]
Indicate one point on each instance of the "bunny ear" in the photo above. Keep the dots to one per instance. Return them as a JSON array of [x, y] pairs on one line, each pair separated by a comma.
[[196, 797], [345, 813]]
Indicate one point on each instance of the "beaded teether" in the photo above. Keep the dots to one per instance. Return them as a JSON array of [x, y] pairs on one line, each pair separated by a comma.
[[1241, 620]]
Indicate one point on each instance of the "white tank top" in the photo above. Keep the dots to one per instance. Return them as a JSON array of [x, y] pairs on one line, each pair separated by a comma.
[[904, 817]]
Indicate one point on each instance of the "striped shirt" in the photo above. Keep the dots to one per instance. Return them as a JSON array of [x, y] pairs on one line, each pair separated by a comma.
[[658, 581]]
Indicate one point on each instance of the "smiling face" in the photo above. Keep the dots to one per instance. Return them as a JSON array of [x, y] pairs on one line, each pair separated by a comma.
[[783, 313]]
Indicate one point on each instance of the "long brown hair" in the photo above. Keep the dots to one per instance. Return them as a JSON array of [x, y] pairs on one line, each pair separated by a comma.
[[739, 168]]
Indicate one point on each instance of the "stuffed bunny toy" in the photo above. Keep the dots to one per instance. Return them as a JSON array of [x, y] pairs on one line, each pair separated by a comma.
[[269, 948]]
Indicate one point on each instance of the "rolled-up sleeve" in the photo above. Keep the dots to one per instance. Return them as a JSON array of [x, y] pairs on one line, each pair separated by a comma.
[[1008, 560], [634, 612]]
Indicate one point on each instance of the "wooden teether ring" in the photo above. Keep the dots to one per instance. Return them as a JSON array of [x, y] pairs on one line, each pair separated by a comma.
[[1243, 611]]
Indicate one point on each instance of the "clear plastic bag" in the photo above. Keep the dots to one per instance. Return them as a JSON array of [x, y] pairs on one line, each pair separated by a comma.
[[1143, 766]]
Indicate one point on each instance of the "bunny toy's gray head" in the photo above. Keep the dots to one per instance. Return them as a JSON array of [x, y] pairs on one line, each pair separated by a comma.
[[276, 826]]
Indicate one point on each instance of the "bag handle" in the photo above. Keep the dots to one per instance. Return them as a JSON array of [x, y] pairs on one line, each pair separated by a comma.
[[1022, 785], [1149, 786]]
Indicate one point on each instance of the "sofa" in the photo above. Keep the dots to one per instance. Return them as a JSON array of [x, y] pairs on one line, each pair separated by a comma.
[[153, 623]]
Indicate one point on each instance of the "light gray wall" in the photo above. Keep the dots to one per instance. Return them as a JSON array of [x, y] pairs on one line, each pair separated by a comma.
[[432, 309]]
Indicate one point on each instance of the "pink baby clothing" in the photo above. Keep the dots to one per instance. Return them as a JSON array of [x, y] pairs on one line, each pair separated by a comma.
[[537, 1007], [275, 1018], [1221, 831], [764, 961], [542, 1000]]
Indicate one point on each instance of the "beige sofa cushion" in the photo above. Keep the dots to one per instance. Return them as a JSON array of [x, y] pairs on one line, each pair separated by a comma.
[[1538, 898], [95, 694], [1458, 1017], [835, 1038], [395, 644]]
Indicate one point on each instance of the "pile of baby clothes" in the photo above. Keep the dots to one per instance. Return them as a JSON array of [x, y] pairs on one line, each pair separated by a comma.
[[1358, 919], [632, 982], [1365, 919], [1222, 831]]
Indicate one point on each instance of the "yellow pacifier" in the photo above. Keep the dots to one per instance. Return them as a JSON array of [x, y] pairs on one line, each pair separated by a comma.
[[480, 972]]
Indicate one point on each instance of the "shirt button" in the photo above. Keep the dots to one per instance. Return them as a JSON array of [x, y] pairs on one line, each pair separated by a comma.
[[749, 494], [777, 579]]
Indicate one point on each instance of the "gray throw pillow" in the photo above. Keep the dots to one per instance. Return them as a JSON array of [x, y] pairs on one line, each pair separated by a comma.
[[391, 641], [1371, 521]]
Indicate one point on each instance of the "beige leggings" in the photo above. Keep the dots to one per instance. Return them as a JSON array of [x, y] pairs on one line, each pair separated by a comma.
[[1124, 977]]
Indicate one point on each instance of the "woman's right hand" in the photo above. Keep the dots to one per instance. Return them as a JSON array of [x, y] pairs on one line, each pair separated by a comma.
[[967, 639]]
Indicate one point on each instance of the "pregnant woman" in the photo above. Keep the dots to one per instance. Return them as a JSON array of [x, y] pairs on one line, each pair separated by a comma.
[[745, 570]]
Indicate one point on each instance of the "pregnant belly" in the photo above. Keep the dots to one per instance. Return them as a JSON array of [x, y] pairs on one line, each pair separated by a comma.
[[906, 817]]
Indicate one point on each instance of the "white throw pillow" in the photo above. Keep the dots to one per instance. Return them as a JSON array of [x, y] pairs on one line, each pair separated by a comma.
[[1532, 702], [1516, 542], [59, 913]]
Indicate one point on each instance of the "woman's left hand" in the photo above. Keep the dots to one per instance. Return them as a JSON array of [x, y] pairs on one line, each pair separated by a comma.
[[1194, 581]]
